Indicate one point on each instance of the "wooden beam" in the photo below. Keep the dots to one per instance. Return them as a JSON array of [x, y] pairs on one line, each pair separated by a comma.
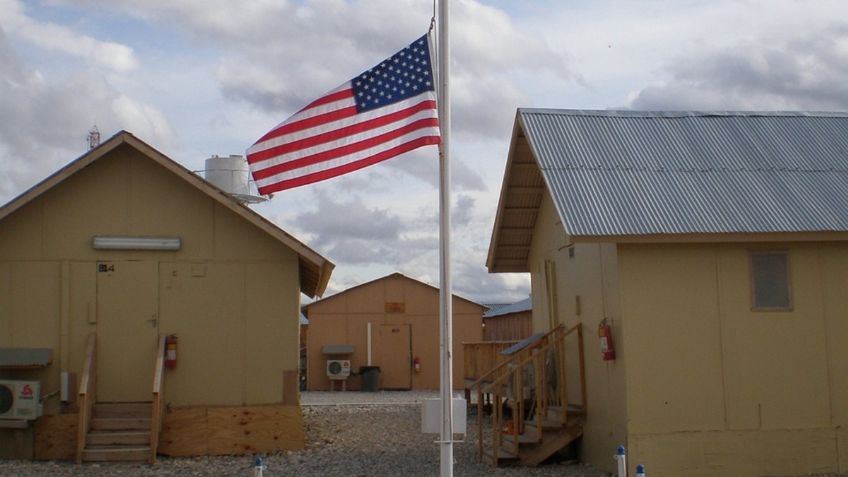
[[525, 189]]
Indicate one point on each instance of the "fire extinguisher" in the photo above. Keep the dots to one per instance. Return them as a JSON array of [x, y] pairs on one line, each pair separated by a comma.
[[416, 364], [605, 336], [171, 351]]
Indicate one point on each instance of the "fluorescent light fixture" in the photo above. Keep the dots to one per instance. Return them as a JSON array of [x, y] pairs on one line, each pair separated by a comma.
[[106, 242]]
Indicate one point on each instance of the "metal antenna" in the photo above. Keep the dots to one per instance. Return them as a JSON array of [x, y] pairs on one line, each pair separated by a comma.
[[93, 137]]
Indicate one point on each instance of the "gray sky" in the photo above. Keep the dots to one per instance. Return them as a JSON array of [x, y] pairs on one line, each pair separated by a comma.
[[201, 77]]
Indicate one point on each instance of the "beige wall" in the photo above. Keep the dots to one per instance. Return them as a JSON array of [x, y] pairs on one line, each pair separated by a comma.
[[716, 388], [344, 318], [231, 293], [590, 275]]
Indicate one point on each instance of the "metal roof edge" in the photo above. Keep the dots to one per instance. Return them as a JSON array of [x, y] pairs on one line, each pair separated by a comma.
[[632, 113], [391, 275]]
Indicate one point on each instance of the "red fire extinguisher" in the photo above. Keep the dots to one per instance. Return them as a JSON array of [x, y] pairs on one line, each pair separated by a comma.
[[605, 336], [416, 364], [171, 351]]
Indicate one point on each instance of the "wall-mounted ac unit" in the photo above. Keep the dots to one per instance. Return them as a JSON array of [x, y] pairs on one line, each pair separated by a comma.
[[20, 400], [338, 368]]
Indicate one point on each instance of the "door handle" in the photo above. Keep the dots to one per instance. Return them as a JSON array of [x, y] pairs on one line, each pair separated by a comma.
[[153, 320]]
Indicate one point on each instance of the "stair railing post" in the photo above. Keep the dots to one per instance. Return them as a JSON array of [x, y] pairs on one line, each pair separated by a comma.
[[582, 368], [539, 380], [562, 375], [480, 421]]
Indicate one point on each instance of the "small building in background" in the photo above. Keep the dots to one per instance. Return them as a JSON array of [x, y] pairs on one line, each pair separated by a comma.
[[391, 323], [512, 322]]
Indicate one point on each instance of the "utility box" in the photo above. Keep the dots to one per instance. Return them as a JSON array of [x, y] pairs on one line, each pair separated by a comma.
[[431, 410]]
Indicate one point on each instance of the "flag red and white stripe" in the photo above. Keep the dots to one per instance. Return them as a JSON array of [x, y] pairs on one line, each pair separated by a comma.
[[353, 126]]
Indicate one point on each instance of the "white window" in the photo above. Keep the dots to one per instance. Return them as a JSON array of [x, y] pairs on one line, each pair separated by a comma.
[[771, 287]]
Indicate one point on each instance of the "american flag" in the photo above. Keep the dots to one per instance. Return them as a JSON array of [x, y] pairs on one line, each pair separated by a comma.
[[388, 110]]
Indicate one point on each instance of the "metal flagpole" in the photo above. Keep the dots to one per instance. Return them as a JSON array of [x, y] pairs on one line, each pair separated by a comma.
[[445, 292]]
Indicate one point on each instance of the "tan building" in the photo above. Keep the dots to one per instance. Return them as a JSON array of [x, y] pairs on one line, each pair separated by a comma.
[[510, 322], [403, 317], [714, 245], [126, 246]]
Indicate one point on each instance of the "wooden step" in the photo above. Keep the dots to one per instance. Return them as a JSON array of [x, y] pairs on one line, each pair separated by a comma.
[[120, 424], [126, 438], [555, 412], [504, 454], [547, 425], [529, 436], [115, 453], [552, 442], [123, 409]]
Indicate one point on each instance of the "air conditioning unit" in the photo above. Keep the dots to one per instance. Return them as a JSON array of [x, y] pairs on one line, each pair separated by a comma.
[[20, 400], [338, 368]]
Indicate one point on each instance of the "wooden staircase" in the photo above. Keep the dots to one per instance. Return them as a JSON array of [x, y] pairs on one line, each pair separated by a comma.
[[119, 432], [531, 416]]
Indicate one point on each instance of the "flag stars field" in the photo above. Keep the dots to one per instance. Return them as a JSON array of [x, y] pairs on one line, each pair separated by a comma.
[[382, 113]]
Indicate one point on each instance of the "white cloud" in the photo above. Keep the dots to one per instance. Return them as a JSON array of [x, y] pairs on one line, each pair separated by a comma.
[[48, 119], [53, 37], [142, 120]]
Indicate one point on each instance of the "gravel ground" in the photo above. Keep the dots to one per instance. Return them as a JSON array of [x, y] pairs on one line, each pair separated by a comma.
[[347, 434]]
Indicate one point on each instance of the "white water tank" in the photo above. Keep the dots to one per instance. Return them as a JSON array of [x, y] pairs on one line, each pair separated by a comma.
[[228, 174]]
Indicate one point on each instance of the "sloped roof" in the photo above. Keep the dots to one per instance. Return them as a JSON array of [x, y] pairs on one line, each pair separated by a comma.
[[517, 307], [619, 174], [315, 270], [395, 275]]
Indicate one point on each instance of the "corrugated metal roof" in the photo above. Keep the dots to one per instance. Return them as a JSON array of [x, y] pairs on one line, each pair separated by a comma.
[[641, 173], [517, 307]]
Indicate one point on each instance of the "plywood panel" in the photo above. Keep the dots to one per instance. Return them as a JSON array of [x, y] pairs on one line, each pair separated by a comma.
[[232, 430], [236, 241], [206, 313], [291, 388], [91, 201], [834, 262], [56, 437], [271, 329], [184, 432], [161, 203], [255, 429], [83, 311], [20, 233], [674, 371], [5, 304], [775, 363]]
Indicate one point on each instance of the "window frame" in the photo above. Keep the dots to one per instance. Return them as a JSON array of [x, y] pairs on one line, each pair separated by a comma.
[[752, 281]]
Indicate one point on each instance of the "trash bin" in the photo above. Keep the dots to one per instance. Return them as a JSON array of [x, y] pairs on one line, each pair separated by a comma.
[[370, 378]]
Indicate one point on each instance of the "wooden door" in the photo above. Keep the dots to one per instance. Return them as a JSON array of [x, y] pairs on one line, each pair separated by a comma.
[[393, 354], [127, 329]]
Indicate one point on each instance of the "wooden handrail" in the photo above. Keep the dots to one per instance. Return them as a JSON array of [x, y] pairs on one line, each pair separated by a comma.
[[87, 393], [543, 398], [517, 355], [546, 346], [156, 406]]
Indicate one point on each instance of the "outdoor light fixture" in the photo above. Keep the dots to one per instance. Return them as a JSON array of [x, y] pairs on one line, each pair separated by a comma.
[[109, 242]]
